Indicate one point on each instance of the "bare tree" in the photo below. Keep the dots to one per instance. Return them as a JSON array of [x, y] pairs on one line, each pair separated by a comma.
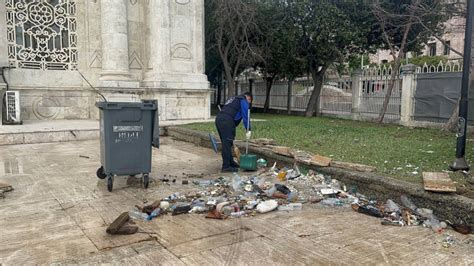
[[404, 28], [388, 28], [234, 26]]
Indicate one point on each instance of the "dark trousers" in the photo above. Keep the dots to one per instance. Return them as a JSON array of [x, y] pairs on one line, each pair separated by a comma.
[[226, 129]]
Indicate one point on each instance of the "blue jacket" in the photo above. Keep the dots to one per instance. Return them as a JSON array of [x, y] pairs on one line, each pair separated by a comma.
[[237, 108]]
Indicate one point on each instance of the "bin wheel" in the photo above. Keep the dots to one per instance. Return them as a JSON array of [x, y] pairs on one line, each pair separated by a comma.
[[110, 183], [100, 173], [146, 180]]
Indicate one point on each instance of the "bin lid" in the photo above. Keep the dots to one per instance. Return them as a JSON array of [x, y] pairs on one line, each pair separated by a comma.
[[143, 105]]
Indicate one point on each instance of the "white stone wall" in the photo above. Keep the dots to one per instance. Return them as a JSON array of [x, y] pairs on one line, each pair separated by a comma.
[[130, 50]]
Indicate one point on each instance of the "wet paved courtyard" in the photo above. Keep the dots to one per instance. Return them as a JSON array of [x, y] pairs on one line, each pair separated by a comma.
[[59, 210]]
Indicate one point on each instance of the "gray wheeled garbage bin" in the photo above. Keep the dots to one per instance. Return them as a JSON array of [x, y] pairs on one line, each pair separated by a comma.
[[128, 130]]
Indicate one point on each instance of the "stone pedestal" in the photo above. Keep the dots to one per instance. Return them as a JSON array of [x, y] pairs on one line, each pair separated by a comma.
[[408, 93], [356, 94]]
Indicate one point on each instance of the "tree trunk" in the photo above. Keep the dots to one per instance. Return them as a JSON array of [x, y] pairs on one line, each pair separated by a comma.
[[229, 79], [219, 89], [388, 94], [236, 84], [269, 84], [313, 104], [452, 124]]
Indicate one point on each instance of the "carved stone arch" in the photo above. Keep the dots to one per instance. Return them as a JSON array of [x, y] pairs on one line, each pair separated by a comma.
[[182, 2], [181, 51]]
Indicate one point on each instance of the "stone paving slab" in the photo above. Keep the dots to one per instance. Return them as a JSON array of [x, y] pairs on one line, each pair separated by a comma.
[[58, 212]]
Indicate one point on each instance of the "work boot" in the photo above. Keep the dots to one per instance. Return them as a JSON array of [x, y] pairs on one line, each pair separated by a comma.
[[234, 164], [230, 170]]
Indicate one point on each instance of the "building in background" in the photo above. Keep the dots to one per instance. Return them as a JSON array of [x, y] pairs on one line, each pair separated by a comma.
[[453, 37], [129, 49]]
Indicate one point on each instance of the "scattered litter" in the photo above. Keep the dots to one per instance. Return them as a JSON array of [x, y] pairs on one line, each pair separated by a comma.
[[261, 163], [328, 191], [287, 190], [448, 241], [367, 209], [267, 206]]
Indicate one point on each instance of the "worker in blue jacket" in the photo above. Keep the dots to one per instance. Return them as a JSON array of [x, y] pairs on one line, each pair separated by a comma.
[[235, 110]]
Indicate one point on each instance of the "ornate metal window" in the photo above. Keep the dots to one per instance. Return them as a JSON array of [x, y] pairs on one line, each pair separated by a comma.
[[42, 34]]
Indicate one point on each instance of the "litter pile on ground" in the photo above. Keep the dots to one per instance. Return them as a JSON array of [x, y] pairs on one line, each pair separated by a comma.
[[273, 189]]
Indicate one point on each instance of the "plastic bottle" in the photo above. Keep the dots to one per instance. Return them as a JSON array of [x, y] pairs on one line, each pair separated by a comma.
[[251, 205], [138, 215], [282, 175], [291, 207], [408, 203], [270, 191], [227, 210], [333, 202], [391, 206], [236, 182], [155, 213], [198, 209], [237, 214], [203, 183]]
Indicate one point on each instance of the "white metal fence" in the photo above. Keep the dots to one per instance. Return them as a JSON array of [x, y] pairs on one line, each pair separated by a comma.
[[362, 94], [375, 83]]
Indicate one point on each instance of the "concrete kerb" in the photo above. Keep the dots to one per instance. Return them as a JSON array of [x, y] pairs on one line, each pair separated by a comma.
[[451, 207]]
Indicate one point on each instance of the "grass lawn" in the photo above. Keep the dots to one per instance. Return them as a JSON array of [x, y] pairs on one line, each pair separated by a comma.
[[397, 151]]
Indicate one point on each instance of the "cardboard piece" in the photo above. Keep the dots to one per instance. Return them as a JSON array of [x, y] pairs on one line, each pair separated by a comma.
[[438, 182]]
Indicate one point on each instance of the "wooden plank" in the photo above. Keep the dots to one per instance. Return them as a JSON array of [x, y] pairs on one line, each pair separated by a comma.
[[285, 151], [438, 182]]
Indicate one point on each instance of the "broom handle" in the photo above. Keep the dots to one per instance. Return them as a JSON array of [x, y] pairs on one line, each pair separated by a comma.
[[248, 125]]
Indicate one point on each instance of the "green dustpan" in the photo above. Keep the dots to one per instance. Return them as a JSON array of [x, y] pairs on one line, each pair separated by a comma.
[[248, 161]]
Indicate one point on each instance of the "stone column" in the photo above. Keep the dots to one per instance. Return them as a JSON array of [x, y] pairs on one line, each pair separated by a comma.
[[408, 94], [114, 33], [356, 93], [176, 45], [157, 20]]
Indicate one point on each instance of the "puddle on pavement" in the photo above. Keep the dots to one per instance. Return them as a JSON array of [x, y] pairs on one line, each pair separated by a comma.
[[11, 167]]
